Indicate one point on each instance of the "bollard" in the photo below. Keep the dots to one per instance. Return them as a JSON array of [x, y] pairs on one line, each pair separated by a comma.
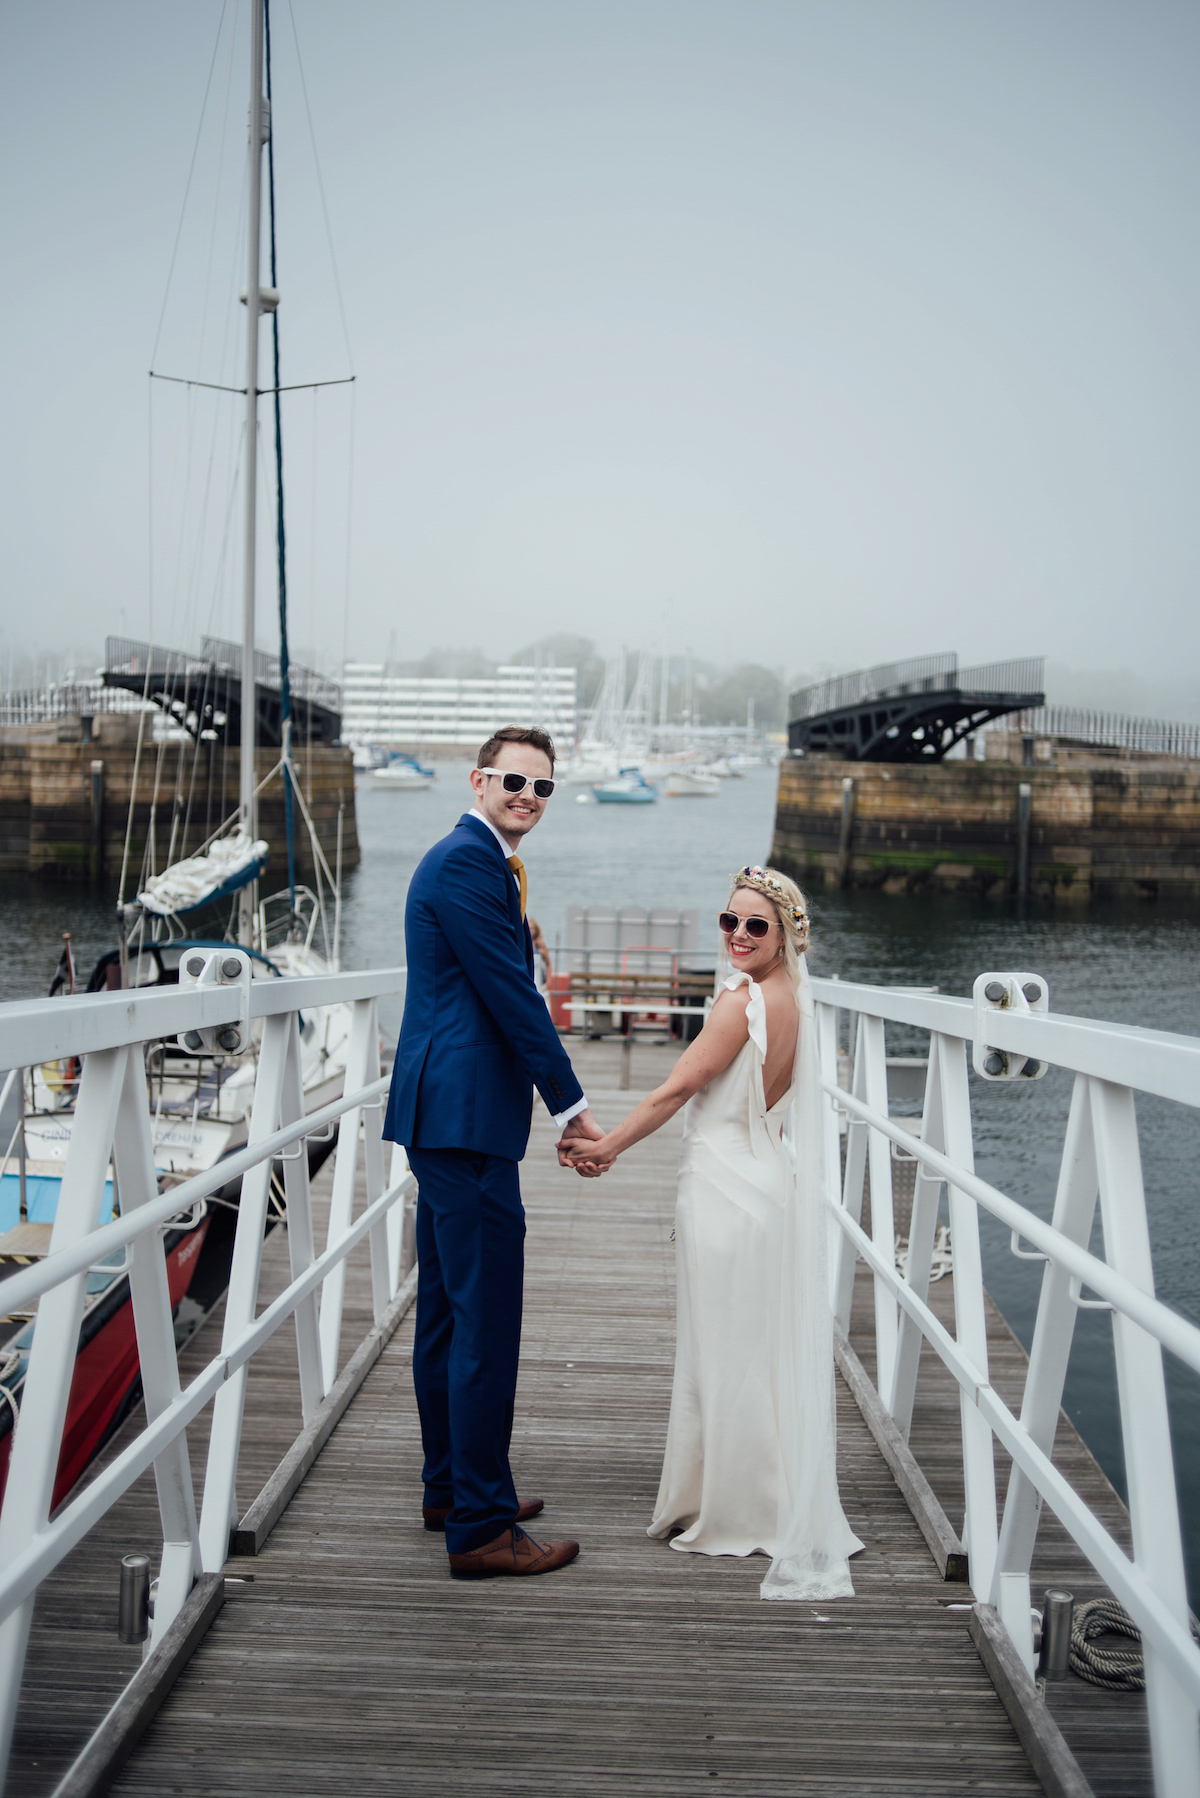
[[1058, 1611], [1024, 804], [133, 1610], [96, 851], [846, 831]]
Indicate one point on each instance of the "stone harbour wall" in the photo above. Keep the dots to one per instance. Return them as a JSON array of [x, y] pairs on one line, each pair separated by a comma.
[[1098, 828], [64, 818]]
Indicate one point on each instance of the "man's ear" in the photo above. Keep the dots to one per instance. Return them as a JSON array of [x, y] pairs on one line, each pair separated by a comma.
[[477, 783]]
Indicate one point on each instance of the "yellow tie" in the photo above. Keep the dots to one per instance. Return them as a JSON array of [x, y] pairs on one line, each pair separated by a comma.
[[518, 868]]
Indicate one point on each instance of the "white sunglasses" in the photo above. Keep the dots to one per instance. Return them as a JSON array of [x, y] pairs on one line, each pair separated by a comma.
[[513, 782]]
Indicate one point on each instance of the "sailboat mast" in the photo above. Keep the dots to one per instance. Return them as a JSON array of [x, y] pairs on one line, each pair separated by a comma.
[[247, 804]]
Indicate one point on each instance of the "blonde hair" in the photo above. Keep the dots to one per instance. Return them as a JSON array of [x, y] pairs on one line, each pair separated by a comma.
[[791, 909]]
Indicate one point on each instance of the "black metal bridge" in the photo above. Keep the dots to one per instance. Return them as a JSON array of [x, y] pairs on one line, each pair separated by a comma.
[[909, 711], [203, 693]]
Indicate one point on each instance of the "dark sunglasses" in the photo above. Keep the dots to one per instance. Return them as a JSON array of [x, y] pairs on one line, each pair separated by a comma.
[[512, 782], [729, 921]]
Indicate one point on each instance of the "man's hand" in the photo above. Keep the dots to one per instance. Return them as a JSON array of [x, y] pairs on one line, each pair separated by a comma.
[[582, 1127]]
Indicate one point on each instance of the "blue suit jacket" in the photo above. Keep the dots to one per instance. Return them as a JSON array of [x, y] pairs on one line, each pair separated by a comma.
[[476, 1037]]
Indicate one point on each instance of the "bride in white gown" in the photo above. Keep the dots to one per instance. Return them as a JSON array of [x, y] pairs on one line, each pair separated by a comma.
[[750, 1462]]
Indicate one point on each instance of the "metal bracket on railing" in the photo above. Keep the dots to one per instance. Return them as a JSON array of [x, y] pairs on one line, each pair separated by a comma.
[[1025, 1254], [1006, 992], [186, 1220], [218, 967], [1075, 1293], [111, 1267]]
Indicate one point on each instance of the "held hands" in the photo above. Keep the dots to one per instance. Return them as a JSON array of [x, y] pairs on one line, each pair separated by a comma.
[[577, 1146], [591, 1159]]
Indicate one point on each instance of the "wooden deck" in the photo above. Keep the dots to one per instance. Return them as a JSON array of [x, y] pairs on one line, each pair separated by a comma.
[[347, 1661]]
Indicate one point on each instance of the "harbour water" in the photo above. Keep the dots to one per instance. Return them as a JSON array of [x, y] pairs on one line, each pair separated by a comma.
[[1137, 966]]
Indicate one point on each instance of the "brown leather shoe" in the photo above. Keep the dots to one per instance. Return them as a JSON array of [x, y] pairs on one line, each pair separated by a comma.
[[512, 1552], [435, 1515]]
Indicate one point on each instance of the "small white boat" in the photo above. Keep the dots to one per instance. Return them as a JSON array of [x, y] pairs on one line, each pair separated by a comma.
[[629, 788], [404, 774], [691, 784]]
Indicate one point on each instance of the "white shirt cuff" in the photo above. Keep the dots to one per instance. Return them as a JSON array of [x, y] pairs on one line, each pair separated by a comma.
[[564, 1117]]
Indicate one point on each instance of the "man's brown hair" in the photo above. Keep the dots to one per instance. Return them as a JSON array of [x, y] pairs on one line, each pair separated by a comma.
[[517, 733]]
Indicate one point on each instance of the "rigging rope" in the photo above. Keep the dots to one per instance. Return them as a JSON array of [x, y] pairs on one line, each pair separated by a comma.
[[337, 280], [285, 685], [188, 184]]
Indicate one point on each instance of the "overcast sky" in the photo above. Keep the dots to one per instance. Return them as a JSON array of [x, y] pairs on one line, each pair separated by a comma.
[[805, 333]]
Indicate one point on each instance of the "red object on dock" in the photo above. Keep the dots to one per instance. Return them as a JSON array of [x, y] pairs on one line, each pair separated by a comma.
[[559, 992]]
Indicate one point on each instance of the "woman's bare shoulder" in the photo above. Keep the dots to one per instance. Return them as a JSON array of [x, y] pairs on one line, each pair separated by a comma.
[[731, 1004]]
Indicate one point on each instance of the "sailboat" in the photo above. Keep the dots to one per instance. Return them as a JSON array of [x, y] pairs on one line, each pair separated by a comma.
[[201, 1101]]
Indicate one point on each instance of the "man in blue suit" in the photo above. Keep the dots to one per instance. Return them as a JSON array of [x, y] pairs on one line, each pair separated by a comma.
[[475, 1041]]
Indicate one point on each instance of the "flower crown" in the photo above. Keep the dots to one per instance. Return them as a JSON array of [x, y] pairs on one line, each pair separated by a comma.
[[768, 884]]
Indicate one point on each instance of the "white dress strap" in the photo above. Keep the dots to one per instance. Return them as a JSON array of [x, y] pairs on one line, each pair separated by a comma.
[[756, 1010]]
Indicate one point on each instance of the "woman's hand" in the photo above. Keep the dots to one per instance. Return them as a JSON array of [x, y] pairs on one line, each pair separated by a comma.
[[589, 1158]]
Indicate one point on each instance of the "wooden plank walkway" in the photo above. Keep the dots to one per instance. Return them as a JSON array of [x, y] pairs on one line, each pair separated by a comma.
[[353, 1663], [347, 1661]]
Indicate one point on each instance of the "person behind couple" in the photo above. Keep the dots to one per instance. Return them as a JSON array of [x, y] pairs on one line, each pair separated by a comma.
[[476, 1039], [749, 1466]]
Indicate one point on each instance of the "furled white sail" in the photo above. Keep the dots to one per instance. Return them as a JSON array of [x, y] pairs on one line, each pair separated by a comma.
[[224, 866]]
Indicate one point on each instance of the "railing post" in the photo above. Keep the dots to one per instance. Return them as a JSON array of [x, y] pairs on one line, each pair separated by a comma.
[[219, 1510], [363, 1036], [373, 1166], [37, 1440], [873, 1054], [1145, 1432], [922, 1231], [1074, 1209], [970, 1317], [137, 1184], [857, 1134], [298, 1198]]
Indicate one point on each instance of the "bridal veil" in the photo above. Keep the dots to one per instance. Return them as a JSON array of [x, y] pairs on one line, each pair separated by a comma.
[[813, 1540]]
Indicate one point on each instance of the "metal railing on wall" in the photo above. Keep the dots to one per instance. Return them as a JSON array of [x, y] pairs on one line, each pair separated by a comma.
[[921, 674], [1112, 730], [64, 699], [130, 656], [1011, 1035], [113, 1124]]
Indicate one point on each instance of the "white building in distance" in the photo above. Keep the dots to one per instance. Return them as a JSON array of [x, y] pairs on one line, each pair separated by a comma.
[[418, 711]]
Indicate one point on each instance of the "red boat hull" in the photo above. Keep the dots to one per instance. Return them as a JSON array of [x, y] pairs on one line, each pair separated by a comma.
[[106, 1367]]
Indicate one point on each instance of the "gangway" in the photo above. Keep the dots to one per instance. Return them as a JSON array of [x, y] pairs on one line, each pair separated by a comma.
[[914, 711], [312, 1638]]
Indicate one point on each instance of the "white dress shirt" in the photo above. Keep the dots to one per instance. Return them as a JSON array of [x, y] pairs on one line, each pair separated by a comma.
[[560, 1117]]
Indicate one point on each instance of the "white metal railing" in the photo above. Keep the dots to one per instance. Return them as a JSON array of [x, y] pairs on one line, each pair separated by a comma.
[[112, 1122], [1101, 1162]]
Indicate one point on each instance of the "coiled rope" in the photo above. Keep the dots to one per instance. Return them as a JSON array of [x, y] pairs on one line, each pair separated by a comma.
[[1119, 1669], [10, 1362]]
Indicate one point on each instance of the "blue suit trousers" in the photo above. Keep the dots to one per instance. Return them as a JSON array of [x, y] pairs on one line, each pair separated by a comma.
[[471, 1253]]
